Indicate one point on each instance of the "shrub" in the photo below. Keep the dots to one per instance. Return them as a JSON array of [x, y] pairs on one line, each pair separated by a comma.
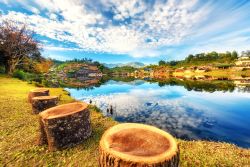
[[20, 74], [25, 76], [2, 69]]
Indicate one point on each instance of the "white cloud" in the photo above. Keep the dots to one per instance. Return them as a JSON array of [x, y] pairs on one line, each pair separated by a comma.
[[137, 28], [58, 57], [60, 48], [53, 16], [144, 52], [125, 9], [6, 2], [34, 10], [167, 24]]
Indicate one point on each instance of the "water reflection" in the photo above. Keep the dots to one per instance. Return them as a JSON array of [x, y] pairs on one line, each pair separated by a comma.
[[187, 109], [196, 83]]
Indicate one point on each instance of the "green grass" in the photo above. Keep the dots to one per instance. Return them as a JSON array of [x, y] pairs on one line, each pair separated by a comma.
[[19, 130]]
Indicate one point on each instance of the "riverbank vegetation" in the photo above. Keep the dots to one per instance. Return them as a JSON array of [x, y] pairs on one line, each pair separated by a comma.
[[212, 64], [19, 130], [211, 58]]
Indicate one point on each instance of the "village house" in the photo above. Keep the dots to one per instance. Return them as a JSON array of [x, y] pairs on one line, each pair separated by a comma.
[[188, 71], [243, 62], [242, 81], [182, 69], [202, 69]]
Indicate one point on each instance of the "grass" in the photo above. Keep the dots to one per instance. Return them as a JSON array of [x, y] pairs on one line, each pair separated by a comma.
[[19, 130], [227, 73]]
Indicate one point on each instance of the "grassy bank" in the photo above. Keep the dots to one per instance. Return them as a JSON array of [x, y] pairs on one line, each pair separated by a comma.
[[227, 73], [18, 133]]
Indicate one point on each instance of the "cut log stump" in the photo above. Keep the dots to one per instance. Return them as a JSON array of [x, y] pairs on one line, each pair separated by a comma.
[[37, 92], [137, 145], [64, 125], [42, 103]]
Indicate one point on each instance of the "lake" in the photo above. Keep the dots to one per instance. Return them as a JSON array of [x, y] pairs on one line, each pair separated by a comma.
[[191, 111]]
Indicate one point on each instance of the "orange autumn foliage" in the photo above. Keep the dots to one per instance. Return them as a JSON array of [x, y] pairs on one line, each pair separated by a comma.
[[43, 66]]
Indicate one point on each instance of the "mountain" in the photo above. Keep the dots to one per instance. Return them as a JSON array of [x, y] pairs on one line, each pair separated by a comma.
[[131, 64], [112, 65]]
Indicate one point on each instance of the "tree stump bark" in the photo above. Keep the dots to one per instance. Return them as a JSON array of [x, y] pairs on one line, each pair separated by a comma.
[[137, 145], [37, 92], [64, 125], [42, 103]]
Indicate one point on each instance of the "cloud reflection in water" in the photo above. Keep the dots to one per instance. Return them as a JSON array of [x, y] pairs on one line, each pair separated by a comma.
[[185, 114], [164, 108]]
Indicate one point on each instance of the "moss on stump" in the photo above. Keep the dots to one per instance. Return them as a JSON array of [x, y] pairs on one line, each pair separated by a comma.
[[137, 145]]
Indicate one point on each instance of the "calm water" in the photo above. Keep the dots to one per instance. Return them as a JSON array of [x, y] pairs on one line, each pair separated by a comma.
[[186, 114]]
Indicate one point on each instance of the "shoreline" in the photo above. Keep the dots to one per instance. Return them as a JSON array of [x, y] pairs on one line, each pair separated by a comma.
[[19, 131]]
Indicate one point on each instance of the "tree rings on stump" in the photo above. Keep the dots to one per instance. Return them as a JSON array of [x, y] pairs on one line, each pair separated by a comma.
[[64, 125], [37, 92], [132, 144], [42, 103]]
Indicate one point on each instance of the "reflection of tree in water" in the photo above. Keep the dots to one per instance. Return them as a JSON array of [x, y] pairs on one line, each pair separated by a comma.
[[196, 85], [88, 83], [207, 86], [244, 89]]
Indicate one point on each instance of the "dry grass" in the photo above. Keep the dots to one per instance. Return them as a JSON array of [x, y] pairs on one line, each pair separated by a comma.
[[204, 153], [217, 73], [18, 133], [227, 73]]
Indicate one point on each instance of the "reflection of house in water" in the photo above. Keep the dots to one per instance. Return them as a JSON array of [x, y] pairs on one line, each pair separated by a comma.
[[83, 75], [244, 89], [198, 77], [242, 82], [89, 71], [94, 72], [85, 82]]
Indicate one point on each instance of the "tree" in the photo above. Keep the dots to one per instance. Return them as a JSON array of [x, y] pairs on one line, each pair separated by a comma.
[[162, 63], [173, 63], [189, 58], [234, 55], [43, 66], [16, 45]]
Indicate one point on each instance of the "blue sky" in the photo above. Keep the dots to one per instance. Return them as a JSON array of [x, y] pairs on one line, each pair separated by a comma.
[[113, 31]]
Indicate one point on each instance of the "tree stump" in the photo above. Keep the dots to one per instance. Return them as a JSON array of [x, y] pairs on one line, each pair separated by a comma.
[[137, 145], [42, 103], [64, 125], [37, 92]]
